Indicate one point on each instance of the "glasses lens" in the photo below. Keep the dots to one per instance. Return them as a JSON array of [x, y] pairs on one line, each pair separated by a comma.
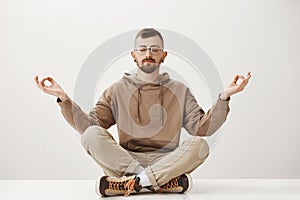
[[155, 50], [141, 50]]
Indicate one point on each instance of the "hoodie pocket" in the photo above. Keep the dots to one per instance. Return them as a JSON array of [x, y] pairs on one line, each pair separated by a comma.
[[147, 145]]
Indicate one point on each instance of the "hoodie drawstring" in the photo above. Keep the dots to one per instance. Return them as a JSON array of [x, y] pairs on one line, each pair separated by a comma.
[[138, 105], [161, 104]]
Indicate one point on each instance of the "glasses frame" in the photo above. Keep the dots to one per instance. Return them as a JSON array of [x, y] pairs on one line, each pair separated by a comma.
[[148, 48]]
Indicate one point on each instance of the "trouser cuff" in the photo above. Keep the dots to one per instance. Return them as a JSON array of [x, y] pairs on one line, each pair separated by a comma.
[[151, 177], [131, 168]]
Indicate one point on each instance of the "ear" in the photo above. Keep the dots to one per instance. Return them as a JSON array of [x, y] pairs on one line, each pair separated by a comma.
[[164, 55], [133, 55]]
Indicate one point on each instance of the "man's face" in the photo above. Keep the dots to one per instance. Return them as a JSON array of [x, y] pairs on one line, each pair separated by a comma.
[[148, 60]]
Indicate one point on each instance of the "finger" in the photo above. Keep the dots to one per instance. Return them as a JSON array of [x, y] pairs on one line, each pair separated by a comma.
[[42, 83], [248, 75], [50, 80], [36, 79], [243, 84], [44, 87], [235, 79], [242, 77]]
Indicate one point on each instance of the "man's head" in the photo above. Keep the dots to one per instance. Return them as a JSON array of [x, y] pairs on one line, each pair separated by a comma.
[[148, 50]]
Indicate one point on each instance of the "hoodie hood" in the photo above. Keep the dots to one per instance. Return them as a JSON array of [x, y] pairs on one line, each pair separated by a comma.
[[139, 84], [132, 78]]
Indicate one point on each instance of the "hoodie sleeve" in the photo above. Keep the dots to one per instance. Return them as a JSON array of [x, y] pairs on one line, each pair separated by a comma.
[[199, 123], [100, 115]]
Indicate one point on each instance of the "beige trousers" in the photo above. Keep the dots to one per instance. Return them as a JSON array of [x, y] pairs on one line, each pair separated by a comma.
[[159, 167]]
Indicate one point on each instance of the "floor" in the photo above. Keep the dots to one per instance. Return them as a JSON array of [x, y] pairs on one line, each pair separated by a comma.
[[209, 189]]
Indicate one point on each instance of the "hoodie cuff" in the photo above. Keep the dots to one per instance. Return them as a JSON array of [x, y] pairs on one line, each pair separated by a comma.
[[64, 104], [222, 104], [219, 98]]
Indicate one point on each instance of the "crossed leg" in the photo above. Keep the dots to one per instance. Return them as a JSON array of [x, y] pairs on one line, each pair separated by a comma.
[[117, 161]]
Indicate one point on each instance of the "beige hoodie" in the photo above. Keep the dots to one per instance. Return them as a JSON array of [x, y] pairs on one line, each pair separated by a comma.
[[149, 116]]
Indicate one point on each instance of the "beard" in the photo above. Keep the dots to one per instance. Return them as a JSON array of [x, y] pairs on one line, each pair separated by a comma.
[[149, 65], [149, 68]]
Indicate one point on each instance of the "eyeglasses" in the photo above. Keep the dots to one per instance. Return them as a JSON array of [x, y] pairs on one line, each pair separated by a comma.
[[153, 50]]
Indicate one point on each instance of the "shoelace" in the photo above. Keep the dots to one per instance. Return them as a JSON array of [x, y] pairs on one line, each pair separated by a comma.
[[171, 184], [128, 186]]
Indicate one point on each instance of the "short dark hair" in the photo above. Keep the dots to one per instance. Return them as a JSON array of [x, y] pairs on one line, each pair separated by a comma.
[[148, 32]]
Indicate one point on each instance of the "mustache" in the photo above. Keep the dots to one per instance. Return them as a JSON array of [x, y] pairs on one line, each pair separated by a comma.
[[148, 59]]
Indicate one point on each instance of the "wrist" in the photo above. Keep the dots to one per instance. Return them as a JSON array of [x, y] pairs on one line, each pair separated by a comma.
[[224, 97], [62, 97]]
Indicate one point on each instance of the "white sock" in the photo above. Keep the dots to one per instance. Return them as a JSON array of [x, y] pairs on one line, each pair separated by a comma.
[[144, 180]]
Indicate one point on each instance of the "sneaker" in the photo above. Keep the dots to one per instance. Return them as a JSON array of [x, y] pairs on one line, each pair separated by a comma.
[[111, 186], [178, 184]]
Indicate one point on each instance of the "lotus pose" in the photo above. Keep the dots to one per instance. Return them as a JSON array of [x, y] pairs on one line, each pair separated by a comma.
[[149, 110]]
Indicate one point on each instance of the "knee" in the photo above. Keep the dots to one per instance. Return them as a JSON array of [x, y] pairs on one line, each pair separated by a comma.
[[201, 147], [91, 134]]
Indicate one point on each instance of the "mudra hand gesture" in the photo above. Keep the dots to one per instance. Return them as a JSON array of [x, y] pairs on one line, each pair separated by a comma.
[[235, 87], [53, 89]]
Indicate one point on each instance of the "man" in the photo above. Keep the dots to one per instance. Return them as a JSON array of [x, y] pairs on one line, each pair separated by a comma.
[[149, 110]]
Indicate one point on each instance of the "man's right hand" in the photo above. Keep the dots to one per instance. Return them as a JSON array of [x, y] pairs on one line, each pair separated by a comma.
[[53, 89]]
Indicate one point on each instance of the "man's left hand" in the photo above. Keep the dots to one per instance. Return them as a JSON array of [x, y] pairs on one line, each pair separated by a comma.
[[235, 87]]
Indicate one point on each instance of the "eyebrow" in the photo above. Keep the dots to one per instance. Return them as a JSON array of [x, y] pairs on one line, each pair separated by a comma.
[[150, 46]]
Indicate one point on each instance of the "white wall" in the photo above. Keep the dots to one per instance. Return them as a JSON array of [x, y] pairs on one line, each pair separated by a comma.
[[260, 138]]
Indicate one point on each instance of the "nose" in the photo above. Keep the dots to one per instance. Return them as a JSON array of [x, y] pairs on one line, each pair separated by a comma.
[[148, 52]]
